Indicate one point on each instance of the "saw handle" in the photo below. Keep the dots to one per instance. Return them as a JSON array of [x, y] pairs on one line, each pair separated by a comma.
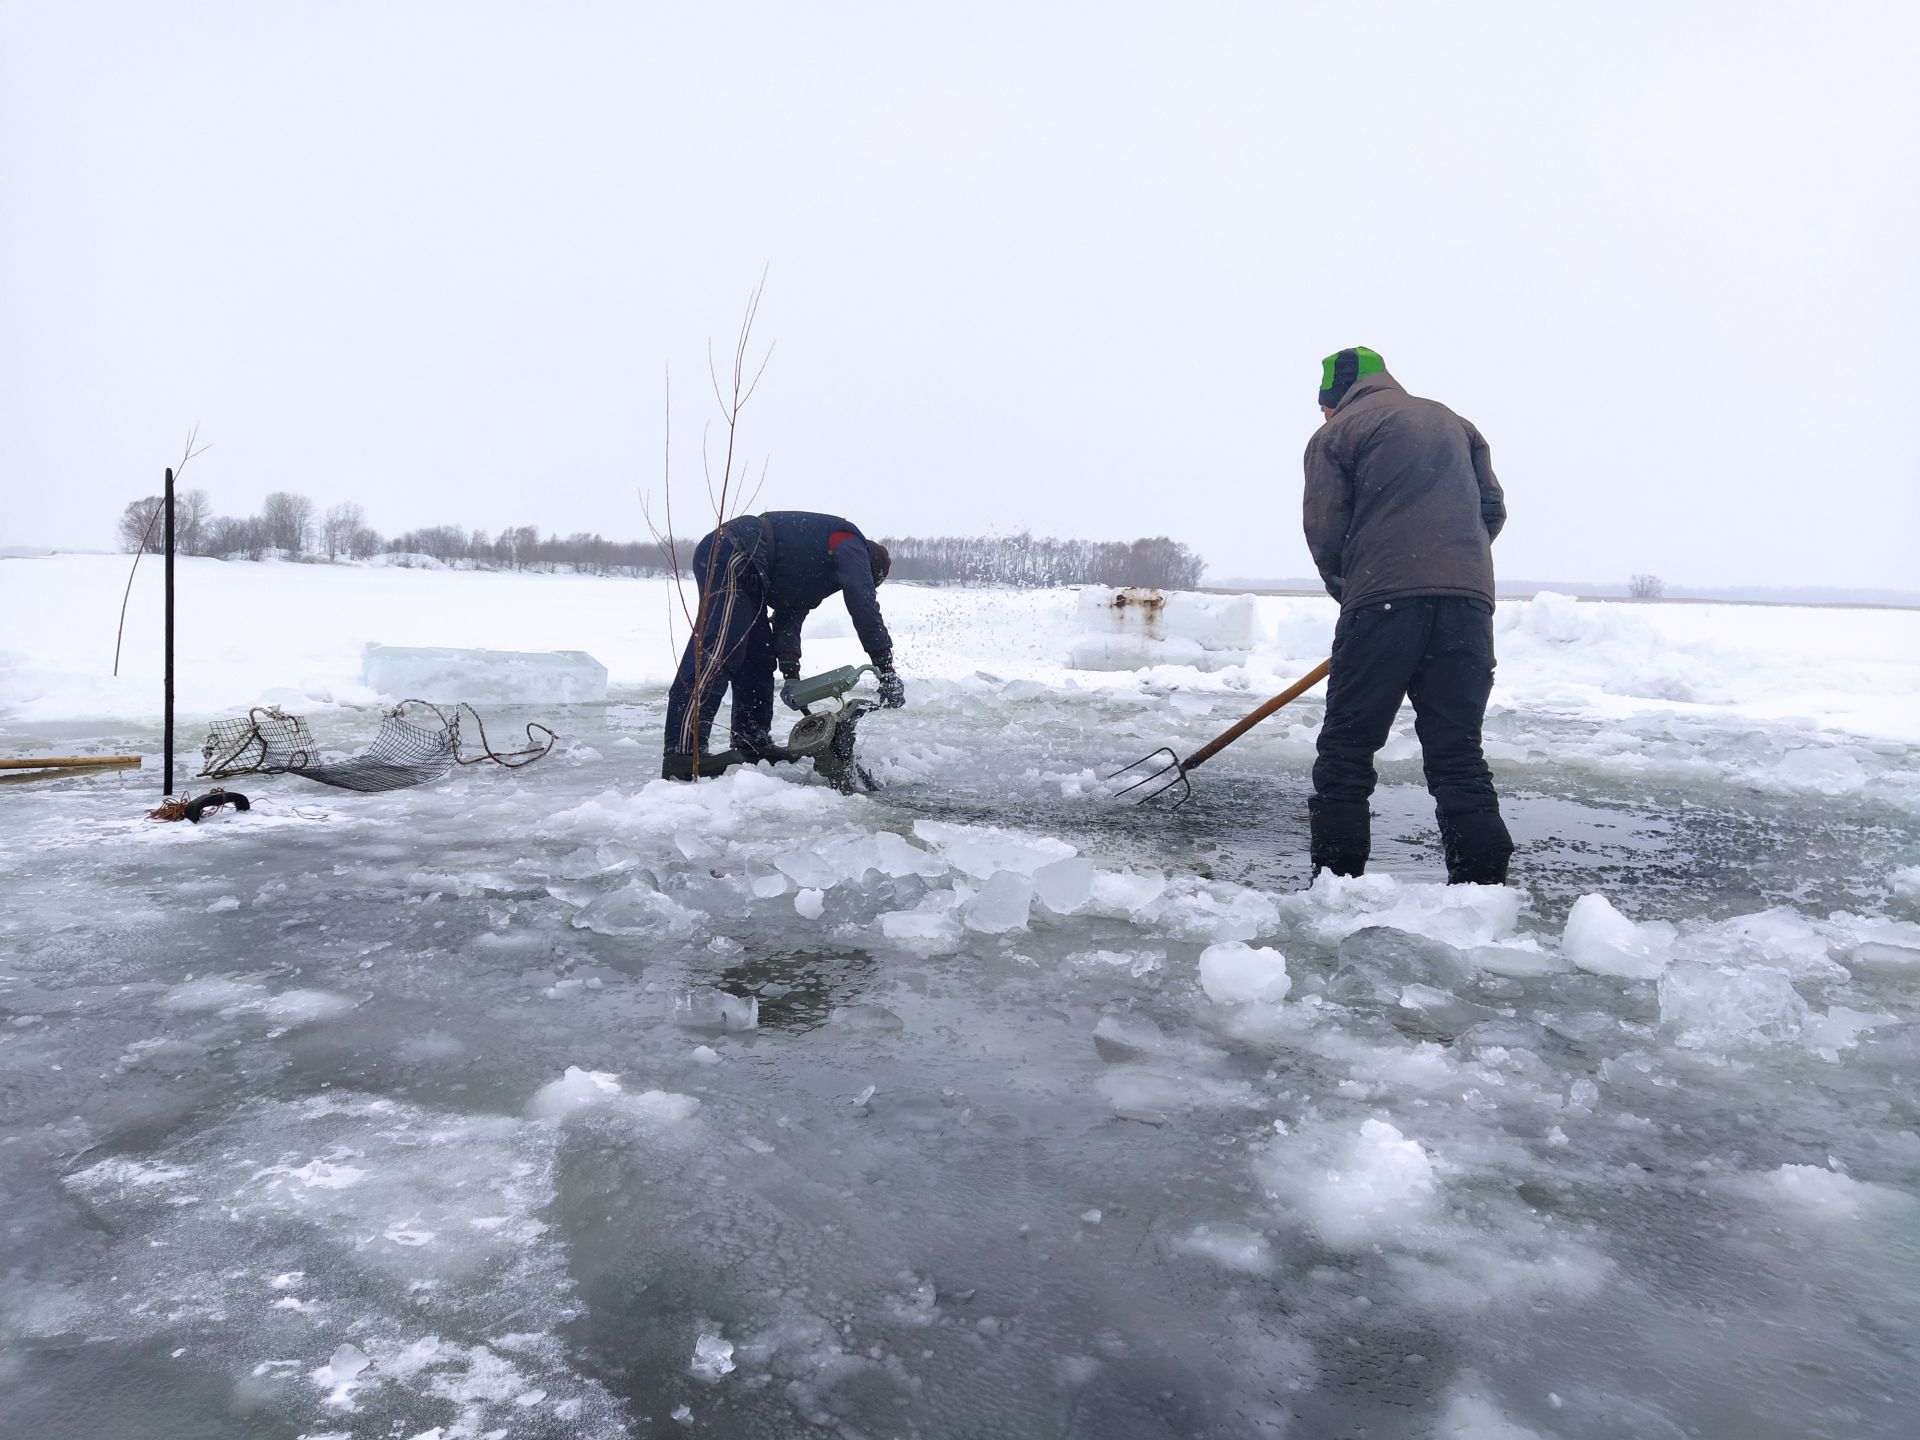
[[1286, 697]]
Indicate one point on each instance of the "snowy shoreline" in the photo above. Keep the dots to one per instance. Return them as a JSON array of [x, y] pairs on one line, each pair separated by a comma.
[[252, 633]]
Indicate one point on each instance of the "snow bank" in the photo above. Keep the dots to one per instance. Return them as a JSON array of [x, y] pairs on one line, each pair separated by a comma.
[[250, 633]]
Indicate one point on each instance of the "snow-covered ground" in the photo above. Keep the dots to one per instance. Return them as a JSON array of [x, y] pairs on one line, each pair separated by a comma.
[[567, 1102]]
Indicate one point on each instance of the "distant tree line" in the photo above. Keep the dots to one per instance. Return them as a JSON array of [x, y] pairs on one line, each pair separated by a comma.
[[291, 526], [1026, 561]]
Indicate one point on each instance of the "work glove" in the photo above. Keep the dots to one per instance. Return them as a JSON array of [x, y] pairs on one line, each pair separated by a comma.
[[790, 671], [893, 690]]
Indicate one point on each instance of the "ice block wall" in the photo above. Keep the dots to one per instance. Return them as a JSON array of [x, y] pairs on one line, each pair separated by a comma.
[[1134, 628], [490, 677]]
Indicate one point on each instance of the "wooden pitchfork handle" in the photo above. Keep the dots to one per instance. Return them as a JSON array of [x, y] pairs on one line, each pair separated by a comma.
[[1286, 697]]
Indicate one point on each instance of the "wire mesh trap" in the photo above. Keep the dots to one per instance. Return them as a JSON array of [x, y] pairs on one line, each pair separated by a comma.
[[417, 742]]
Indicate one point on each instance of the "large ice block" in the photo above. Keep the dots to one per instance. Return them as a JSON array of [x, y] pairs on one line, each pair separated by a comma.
[[1137, 627], [493, 677]]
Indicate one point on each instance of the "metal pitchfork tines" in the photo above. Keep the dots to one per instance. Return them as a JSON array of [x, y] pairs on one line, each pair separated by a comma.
[[1170, 770]]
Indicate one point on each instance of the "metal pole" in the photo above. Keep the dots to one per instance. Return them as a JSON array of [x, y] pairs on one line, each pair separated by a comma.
[[168, 740]]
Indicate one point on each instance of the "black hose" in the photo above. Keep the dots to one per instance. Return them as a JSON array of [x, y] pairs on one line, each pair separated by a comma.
[[213, 800]]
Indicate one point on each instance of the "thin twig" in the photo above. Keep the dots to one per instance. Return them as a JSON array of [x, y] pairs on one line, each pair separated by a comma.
[[730, 406], [185, 455]]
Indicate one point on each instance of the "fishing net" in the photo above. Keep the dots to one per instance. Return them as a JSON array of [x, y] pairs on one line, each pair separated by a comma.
[[417, 742]]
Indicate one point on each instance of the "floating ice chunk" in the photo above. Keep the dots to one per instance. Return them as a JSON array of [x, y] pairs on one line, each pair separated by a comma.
[[1144, 1095], [1598, 938], [983, 850], [1906, 881], [1135, 962], [1841, 1028], [1878, 955], [1126, 1038], [1002, 904], [705, 1055], [918, 1307], [769, 887], [716, 1010], [925, 929], [323, 1174], [1231, 1247], [712, 1358], [575, 1091], [1380, 1185], [1715, 1006], [580, 1090], [1199, 911], [1377, 963], [225, 902], [1457, 915], [339, 1374], [1781, 937], [1470, 1414], [122, 1173], [493, 677], [213, 992], [304, 1007], [1126, 892], [637, 908], [1876, 943], [866, 1016], [807, 868], [1235, 973], [1815, 770], [896, 856], [1515, 960], [1065, 886], [808, 904], [683, 1415], [1824, 1195]]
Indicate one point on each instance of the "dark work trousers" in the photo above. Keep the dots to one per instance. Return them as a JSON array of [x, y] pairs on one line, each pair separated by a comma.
[[732, 646], [1436, 650]]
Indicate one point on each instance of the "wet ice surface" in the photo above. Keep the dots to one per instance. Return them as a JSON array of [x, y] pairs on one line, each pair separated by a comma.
[[561, 1103]]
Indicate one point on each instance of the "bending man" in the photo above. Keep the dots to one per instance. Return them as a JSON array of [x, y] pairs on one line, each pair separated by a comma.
[[1401, 511], [760, 576]]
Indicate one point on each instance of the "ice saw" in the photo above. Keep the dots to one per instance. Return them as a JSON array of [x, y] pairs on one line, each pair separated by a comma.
[[824, 735]]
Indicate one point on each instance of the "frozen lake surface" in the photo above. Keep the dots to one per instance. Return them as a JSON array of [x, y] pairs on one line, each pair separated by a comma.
[[567, 1103]]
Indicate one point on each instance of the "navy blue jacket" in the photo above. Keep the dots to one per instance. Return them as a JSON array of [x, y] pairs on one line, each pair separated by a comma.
[[801, 563]]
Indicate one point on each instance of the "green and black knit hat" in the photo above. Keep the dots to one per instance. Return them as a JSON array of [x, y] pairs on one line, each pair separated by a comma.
[[1338, 372]]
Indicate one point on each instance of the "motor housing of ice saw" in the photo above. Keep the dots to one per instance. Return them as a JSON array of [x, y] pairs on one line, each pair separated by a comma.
[[827, 736]]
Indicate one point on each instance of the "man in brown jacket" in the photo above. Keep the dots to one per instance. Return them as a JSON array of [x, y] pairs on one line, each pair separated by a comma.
[[1401, 510]]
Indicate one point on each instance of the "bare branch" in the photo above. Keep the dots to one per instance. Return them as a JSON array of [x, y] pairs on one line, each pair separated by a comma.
[[187, 452]]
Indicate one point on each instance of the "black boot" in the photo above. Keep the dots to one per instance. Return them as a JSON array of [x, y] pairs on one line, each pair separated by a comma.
[[749, 748], [1478, 870], [678, 764], [1348, 867]]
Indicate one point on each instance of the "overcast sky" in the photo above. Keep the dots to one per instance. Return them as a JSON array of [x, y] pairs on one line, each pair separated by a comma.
[[1062, 267]]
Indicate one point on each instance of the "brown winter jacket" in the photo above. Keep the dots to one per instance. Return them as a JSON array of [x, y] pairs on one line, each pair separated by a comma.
[[1400, 499]]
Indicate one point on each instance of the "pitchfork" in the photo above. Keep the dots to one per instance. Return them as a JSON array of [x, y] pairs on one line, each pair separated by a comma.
[[1173, 770]]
